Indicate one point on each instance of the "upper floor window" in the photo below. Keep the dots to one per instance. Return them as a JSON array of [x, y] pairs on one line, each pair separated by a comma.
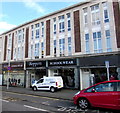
[[54, 28], [105, 12], [61, 24], [87, 43], [37, 50], [37, 33], [68, 15], [42, 29], [54, 19], [37, 25], [95, 13], [55, 48], [97, 42], [85, 15], [108, 41], [62, 46], [106, 16], [42, 49], [95, 7], [69, 46]]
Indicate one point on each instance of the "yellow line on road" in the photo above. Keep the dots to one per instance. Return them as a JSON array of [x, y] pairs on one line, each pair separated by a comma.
[[31, 95]]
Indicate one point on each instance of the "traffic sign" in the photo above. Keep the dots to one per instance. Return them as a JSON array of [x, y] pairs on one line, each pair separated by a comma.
[[107, 64]]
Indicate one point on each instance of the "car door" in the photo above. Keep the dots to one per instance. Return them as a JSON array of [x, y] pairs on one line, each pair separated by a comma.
[[104, 95], [40, 84], [118, 95]]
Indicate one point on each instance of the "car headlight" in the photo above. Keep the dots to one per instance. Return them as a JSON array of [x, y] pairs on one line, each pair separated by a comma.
[[77, 93]]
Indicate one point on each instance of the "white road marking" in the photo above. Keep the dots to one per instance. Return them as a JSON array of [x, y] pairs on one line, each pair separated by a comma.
[[34, 108], [4, 100]]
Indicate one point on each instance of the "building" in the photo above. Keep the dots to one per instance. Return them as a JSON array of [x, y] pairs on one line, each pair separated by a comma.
[[74, 43]]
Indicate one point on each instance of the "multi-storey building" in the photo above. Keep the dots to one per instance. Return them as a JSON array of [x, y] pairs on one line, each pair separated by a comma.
[[74, 43]]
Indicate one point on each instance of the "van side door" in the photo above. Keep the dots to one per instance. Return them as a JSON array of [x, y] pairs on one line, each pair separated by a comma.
[[40, 84]]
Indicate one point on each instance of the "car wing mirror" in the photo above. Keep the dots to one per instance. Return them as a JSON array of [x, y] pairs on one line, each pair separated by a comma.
[[93, 90]]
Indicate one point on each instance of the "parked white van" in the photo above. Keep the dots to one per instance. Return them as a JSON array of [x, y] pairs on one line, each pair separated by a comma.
[[48, 83]]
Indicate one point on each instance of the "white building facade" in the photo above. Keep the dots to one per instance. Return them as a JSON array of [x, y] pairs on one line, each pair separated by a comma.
[[73, 43]]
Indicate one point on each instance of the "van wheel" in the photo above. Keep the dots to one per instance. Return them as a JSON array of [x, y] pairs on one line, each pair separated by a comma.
[[83, 103], [34, 88], [52, 89]]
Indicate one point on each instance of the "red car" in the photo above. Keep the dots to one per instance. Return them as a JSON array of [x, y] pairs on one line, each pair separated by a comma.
[[104, 94]]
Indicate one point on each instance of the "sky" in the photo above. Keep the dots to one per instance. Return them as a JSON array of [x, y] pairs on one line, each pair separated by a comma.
[[16, 12]]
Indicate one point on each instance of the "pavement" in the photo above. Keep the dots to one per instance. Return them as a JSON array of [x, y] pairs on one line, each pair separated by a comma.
[[65, 94]]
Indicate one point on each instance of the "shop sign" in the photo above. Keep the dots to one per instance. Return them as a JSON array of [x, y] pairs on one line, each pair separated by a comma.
[[62, 62], [35, 64], [17, 65]]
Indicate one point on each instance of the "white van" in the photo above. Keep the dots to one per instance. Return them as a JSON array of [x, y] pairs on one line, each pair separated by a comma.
[[48, 83]]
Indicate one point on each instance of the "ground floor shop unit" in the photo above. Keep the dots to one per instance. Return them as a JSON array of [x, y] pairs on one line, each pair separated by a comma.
[[15, 76], [77, 73]]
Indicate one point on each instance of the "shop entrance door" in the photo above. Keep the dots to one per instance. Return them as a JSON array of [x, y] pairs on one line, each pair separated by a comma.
[[68, 77]]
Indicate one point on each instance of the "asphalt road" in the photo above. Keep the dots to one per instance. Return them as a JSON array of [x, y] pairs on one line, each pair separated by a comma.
[[28, 103]]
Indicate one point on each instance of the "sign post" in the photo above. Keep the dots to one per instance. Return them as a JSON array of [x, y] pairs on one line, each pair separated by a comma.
[[107, 66]]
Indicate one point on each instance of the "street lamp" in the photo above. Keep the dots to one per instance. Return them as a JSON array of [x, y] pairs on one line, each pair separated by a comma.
[[8, 68]]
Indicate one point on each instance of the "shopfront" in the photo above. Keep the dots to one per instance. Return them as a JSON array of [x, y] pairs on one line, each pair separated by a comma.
[[66, 69], [35, 71], [93, 69], [16, 76]]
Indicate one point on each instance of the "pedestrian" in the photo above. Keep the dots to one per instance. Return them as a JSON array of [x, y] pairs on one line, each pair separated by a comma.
[[112, 77]]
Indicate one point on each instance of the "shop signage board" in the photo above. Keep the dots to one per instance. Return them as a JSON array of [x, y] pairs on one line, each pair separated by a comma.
[[13, 65], [62, 62], [35, 64]]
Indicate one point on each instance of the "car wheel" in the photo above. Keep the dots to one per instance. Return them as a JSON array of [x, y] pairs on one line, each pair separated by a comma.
[[52, 89], [34, 88], [83, 103]]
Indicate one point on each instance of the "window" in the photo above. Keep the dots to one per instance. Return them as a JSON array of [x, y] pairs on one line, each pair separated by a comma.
[[61, 24], [87, 43], [69, 25], [42, 28], [32, 35], [106, 17], [85, 15], [37, 33], [118, 86], [108, 41], [54, 19], [42, 49], [89, 90], [69, 46], [31, 51], [105, 12], [54, 28], [61, 27], [55, 48], [97, 42], [37, 25], [105, 87], [37, 50], [68, 15], [95, 13], [62, 46], [19, 36]]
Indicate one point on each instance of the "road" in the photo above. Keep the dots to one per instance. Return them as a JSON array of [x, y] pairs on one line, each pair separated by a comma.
[[24, 102]]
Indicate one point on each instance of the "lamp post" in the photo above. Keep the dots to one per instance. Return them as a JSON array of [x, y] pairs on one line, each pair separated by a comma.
[[8, 69]]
